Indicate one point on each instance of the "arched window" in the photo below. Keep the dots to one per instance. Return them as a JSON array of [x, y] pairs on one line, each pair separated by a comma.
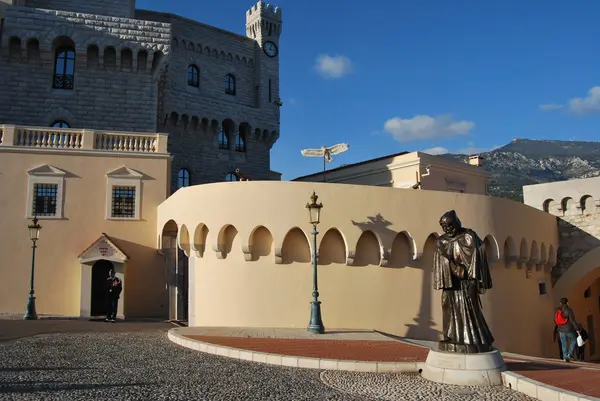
[[223, 140], [240, 143], [230, 84], [183, 178], [64, 68], [230, 177], [60, 124], [193, 76]]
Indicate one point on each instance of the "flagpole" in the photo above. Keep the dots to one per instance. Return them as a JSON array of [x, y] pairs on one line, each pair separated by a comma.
[[324, 168]]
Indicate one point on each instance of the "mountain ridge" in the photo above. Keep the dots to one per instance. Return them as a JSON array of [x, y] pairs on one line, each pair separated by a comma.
[[532, 161]]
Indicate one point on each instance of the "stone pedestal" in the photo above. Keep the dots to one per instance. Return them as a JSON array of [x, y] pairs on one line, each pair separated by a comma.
[[482, 369]]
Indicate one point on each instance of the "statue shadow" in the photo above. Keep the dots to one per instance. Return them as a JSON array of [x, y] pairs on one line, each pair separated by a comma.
[[400, 257]]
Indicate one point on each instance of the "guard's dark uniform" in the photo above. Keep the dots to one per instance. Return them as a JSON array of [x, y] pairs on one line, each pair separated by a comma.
[[114, 288]]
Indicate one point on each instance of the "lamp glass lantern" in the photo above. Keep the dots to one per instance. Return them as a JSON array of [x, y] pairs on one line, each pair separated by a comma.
[[314, 209], [34, 230]]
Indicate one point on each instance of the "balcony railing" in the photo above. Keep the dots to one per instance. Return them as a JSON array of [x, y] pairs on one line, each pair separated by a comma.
[[84, 139]]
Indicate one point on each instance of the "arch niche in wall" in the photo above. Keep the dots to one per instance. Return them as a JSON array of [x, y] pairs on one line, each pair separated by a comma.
[[261, 243], [368, 250], [332, 248], [295, 247], [225, 241], [402, 251], [200, 235]]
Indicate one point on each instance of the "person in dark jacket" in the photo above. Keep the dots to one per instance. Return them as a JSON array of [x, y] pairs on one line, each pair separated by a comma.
[[567, 328], [114, 286]]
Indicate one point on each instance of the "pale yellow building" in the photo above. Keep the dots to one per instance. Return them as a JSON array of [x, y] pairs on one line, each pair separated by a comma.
[[415, 170], [95, 194], [240, 253]]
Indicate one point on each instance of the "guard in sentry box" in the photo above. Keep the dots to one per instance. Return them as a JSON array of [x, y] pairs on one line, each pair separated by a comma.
[[114, 286]]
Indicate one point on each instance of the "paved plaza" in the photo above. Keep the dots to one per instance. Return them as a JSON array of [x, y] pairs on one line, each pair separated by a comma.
[[135, 361]]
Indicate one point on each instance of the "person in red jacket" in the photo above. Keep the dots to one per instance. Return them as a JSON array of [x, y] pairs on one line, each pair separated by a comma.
[[114, 286], [567, 328]]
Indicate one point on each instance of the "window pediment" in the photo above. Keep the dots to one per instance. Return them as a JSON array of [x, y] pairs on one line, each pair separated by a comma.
[[47, 171], [125, 173]]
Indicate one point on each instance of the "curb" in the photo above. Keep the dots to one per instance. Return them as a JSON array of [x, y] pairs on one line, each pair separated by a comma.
[[294, 361], [513, 381], [541, 391]]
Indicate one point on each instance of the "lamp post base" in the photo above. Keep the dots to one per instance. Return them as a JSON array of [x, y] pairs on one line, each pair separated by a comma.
[[30, 314], [316, 323]]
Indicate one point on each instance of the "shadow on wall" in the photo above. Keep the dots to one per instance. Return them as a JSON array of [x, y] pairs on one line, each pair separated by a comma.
[[423, 327], [574, 242], [401, 255], [145, 294]]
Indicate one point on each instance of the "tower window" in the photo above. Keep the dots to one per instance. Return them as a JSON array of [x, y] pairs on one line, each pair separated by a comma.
[[193, 76], [64, 67], [240, 143], [231, 177], [223, 140], [60, 124], [183, 178], [230, 84]]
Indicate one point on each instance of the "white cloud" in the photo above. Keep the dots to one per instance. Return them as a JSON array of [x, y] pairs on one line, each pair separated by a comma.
[[579, 105], [436, 151], [471, 149], [426, 127], [586, 105], [333, 66], [551, 106]]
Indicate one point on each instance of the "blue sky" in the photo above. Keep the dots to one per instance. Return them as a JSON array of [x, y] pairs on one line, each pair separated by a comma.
[[454, 75]]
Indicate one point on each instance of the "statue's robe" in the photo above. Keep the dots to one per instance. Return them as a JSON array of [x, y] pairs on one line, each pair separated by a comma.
[[461, 270]]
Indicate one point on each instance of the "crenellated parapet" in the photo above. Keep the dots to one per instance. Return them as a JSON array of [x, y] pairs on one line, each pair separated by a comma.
[[99, 43], [361, 226], [263, 20], [576, 205], [565, 198], [209, 127]]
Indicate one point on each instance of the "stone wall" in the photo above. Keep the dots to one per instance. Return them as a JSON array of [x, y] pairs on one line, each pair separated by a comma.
[[118, 95], [145, 90], [193, 116], [579, 234], [115, 8]]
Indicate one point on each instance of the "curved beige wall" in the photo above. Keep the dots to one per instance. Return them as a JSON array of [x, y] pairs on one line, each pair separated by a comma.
[[250, 250]]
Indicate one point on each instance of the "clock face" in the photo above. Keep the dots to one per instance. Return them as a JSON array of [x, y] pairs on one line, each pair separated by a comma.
[[270, 49]]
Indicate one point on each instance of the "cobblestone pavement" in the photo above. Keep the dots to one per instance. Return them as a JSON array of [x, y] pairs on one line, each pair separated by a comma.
[[411, 387], [147, 366]]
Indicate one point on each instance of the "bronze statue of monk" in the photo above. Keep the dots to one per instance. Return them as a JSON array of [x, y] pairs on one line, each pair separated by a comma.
[[461, 271]]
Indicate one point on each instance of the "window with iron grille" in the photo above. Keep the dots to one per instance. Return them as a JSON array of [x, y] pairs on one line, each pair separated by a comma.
[[231, 177], [193, 76], [240, 143], [45, 198], [223, 141], [123, 202], [64, 66], [230, 84]]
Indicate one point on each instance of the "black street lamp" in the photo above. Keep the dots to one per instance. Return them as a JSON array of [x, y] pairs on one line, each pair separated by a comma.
[[314, 212], [34, 235]]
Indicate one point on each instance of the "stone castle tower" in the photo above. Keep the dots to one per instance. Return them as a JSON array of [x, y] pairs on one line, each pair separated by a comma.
[[102, 64]]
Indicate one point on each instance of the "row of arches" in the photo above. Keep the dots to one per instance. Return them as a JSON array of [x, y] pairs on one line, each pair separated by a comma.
[[64, 52], [572, 206], [189, 45], [295, 247], [230, 135]]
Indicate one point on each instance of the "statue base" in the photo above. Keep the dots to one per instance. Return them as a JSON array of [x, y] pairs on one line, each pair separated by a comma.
[[482, 369]]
